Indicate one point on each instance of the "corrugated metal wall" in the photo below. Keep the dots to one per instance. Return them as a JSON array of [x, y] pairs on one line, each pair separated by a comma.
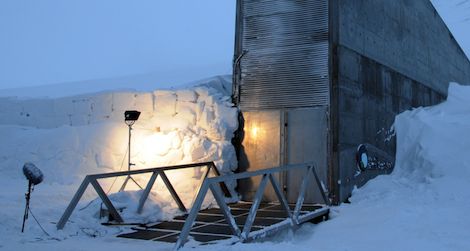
[[285, 54]]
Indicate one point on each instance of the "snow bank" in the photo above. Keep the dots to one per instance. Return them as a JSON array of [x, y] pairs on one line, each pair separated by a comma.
[[431, 141], [70, 137], [424, 203]]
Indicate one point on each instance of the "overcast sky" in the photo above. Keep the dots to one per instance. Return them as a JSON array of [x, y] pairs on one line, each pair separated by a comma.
[[456, 14], [53, 41]]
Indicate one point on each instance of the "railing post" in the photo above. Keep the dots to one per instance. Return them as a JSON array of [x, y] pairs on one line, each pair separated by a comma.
[[172, 191], [146, 192], [301, 196], [320, 187], [223, 185], [216, 191], [76, 198], [106, 201], [280, 196], [192, 215], [251, 216], [204, 177]]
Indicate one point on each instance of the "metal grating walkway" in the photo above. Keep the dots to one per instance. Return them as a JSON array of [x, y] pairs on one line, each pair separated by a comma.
[[210, 224]]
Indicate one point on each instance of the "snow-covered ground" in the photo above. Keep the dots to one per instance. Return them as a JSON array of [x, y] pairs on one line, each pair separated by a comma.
[[422, 205], [70, 137]]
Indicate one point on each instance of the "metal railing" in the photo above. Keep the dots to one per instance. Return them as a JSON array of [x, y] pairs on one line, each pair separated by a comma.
[[157, 171], [219, 190], [215, 186]]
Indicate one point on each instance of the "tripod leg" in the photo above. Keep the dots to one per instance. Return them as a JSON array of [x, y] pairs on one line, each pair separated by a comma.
[[26, 210], [135, 182], [25, 216], [124, 184]]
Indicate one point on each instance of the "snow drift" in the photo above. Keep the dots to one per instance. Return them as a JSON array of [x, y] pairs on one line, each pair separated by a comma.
[[423, 204], [432, 141]]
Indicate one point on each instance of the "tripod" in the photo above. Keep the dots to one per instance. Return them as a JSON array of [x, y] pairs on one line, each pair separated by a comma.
[[28, 197], [129, 164]]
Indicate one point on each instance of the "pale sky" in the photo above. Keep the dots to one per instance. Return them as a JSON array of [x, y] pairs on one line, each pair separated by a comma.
[[456, 14], [54, 41]]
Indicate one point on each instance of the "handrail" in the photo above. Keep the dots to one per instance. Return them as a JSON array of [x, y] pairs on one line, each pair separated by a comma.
[[93, 180], [214, 185], [148, 170]]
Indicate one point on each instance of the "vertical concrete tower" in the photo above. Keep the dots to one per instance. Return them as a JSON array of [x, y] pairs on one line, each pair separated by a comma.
[[315, 79]]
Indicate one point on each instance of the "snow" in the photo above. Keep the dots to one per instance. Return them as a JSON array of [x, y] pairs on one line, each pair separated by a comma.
[[70, 137], [422, 205], [73, 129]]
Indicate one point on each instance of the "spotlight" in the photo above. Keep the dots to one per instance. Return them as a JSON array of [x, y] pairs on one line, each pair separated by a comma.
[[34, 177], [130, 117]]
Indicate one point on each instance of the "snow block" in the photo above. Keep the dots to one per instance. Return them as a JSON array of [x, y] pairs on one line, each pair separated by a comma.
[[63, 107], [38, 107], [11, 111], [165, 102], [186, 95], [101, 105], [81, 105], [186, 110], [123, 101], [144, 102]]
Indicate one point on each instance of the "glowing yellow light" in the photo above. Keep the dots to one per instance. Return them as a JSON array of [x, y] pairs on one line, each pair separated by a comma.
[[254, 131], [155, 147]]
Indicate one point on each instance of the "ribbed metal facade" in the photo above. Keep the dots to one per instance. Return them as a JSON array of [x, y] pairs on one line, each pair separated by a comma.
[[285, 51]]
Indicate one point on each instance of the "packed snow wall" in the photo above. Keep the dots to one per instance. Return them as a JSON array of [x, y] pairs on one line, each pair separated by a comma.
[[388, 56], [71, 137]]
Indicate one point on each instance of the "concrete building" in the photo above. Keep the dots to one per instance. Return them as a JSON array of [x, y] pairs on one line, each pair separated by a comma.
[[314, 79]]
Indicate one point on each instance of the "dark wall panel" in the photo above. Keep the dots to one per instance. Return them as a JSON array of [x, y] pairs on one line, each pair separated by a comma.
[[370, 96]]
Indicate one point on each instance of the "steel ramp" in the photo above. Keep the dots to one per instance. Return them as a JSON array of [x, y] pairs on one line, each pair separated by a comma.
[[210, 225], [241, 222]]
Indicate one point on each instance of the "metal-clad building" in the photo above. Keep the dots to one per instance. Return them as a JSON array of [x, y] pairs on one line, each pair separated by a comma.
[[314, 79]]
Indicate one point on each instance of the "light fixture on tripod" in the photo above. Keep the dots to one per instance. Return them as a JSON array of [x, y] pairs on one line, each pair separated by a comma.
[[130, 117]]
